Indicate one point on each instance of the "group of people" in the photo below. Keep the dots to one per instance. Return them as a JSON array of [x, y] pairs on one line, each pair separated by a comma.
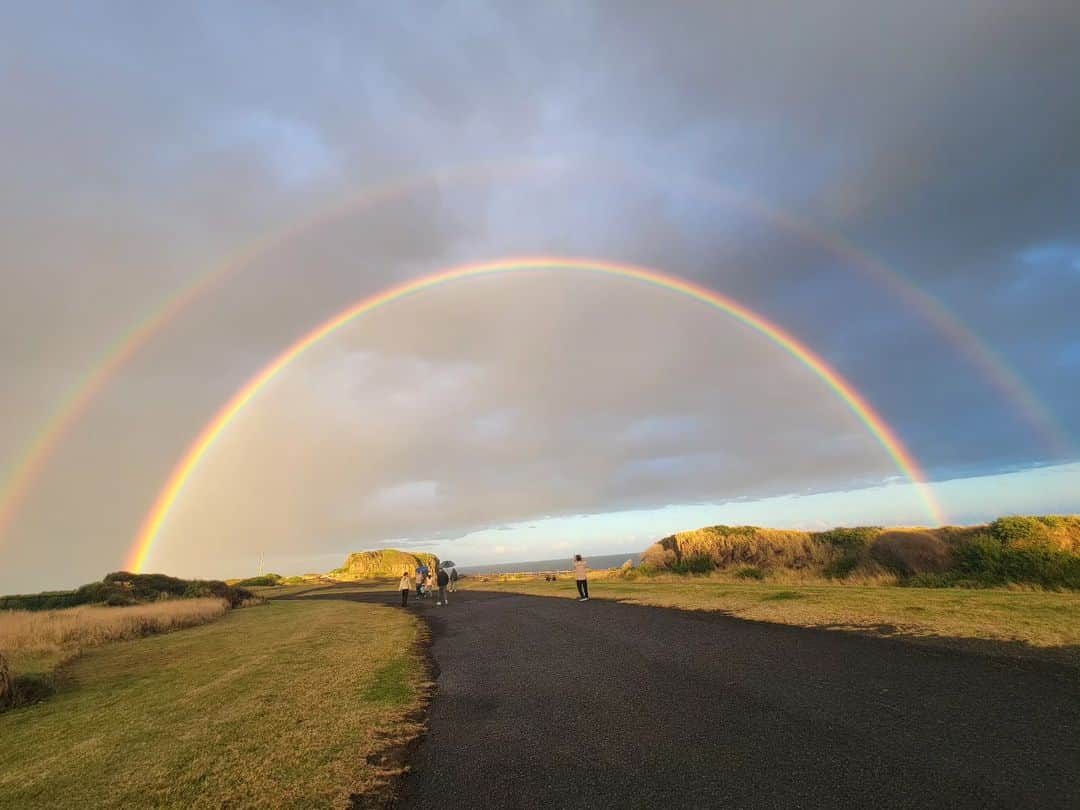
[[428, 582]]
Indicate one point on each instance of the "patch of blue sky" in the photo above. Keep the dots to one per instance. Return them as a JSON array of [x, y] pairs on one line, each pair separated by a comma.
[[1052, 254], [1041, 490], [293, 150]]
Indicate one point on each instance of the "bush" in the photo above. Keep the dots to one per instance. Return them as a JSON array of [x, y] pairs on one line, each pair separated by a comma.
[[1056, 532], [852, 539], [698, 564], [985, 560], [263, 580], [910, 552], [122, 588], [842, 567]]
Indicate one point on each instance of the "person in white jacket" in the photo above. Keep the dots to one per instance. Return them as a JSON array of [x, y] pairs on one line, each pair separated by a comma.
[[405, 586], [581, 575]]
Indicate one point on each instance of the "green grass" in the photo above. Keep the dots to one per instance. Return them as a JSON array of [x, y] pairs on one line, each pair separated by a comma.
[[280, 705], [1026, 623]]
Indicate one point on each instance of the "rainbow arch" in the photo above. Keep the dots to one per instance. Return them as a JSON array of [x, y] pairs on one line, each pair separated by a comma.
[[16, 483], [18, 480], [182, 472]]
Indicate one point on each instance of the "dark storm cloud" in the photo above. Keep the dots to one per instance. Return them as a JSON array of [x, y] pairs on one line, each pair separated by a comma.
[[146, 146]]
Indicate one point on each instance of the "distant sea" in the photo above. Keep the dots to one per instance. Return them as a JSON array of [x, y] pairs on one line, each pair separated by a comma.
[[561, 564]]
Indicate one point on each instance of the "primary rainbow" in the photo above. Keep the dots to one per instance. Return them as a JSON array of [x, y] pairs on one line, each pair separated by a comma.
[[17, 482], [157, 515]]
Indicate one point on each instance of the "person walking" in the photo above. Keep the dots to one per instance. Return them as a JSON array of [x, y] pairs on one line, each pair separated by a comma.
[[581, 575], [405, 585], [420, 569], [443, 579], [453, 580]]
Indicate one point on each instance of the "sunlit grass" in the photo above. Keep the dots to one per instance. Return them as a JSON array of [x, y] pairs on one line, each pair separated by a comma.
[[1047, 624], [277, 706], [35, 643]]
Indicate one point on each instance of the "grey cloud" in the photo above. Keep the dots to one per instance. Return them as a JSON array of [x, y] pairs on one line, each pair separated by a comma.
[[147, 146]]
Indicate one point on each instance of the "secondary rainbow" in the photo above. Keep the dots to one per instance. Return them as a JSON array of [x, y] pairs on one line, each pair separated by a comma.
[[18, 481], [168, 496]]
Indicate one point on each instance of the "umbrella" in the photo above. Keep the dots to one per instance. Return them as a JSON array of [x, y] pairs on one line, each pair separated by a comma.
[[447, 564]]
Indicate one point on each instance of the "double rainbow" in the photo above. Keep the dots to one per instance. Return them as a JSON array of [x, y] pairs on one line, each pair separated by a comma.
[[155, 519], [17, 482]]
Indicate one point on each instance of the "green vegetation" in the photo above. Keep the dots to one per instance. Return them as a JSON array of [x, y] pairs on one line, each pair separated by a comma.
[[124, 588], [286, 705], [38, 642], [1041, 551], [386, 562], [262, 579], [1021, 623]]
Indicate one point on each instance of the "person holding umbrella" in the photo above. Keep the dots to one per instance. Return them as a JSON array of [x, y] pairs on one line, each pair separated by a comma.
[[449, 565], [442, 579]]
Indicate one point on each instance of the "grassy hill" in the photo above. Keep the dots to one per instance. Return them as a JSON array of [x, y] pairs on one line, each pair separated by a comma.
[[1043, 551], [385, 562]]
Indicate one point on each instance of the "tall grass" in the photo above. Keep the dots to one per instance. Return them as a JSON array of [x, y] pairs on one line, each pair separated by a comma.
[[68, 631]]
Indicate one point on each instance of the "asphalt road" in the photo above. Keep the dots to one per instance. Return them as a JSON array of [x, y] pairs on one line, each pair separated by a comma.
[[555, 703]]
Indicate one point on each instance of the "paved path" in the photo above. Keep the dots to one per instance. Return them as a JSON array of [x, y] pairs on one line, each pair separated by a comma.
[[554, 703]]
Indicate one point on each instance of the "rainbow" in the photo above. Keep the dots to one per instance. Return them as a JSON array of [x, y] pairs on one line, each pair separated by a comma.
[[183, 471], [31, 461], [33, 458]]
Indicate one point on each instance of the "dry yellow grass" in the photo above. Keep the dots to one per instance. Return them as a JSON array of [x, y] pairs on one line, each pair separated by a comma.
[[47, 631], [1016, 622]]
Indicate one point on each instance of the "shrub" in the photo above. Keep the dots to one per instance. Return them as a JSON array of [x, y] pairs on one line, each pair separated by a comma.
[[698, 564], [848, 539], [263, 580], [122, 588], [910, 552], [985, 560], [842, 566], [1017, 530], [1056, 532]]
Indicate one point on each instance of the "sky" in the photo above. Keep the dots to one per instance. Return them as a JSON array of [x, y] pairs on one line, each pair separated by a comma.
[[896, 186]]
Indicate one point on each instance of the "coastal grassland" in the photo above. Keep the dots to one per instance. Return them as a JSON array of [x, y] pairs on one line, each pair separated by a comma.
[[324, 588], [290, 704], [37, 642], [1023, 623]]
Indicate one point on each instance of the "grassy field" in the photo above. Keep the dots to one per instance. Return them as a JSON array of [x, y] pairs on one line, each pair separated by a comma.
[[287, 704], [37, 642], [1035, 624]]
